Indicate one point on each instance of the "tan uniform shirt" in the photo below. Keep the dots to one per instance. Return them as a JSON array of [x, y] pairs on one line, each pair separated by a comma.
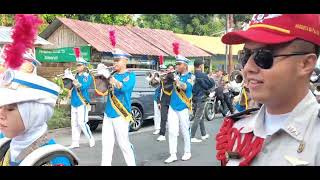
[[300, 132]]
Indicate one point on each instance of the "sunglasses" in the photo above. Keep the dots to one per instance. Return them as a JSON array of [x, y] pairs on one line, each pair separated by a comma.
[[263, 57]]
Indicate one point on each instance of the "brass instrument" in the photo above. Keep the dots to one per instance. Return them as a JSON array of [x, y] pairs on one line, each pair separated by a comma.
[[315, 82], [237, 76], [155, 77], [101, 79], [101, 76]]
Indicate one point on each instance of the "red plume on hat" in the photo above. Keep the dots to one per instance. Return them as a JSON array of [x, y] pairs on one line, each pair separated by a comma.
[[161, 60], [176, 47], [77, 52], [112, 37], [24, 34]]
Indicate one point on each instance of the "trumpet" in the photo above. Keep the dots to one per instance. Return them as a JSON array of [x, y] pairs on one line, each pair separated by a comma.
[[236, 81], [155, 77], [237, 77]]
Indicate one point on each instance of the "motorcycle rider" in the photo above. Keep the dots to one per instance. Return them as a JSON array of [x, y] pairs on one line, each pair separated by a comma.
[[222, 93]]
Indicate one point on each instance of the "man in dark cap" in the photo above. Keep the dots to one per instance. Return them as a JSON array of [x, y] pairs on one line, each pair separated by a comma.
[[199, 92]]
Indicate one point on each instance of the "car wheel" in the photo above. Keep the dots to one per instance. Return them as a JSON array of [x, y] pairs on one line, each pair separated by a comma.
[[209, 111], [93, 125], [137, 118]]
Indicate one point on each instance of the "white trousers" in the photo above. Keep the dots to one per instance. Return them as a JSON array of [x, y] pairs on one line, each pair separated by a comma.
[[79, 119], [120, 128], [179, 120], [157, 116]]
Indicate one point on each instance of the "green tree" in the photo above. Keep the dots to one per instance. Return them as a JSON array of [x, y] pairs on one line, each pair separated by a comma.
[[238, 19], [115, 19], [160, 21], [197, 24], [6, 19]]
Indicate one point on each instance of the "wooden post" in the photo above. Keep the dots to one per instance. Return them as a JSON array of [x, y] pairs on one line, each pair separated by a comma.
[[227, 27], [230, 59]]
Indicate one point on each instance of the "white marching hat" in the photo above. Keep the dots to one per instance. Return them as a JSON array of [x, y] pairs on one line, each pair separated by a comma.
[[17, 87], [182, 59], [31, 58], [82, 61], [119, 54]]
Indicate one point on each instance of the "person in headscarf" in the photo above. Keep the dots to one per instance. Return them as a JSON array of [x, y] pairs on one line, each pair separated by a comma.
[[27, 103]]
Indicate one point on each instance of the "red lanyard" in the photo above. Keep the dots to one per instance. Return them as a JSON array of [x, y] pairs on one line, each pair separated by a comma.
[[226, 139]]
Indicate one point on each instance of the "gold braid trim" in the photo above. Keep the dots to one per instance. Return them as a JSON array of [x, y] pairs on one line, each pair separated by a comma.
[[184, 97], [119, 107]]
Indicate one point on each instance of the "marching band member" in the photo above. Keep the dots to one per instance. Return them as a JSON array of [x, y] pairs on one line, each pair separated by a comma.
[[27, 103], [156, 109], [19, 120], [180, 105], [118, 109], [80, 102], [166, 88], [156, 104]]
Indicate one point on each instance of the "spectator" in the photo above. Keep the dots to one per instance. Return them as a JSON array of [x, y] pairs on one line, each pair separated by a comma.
[[199, 92]]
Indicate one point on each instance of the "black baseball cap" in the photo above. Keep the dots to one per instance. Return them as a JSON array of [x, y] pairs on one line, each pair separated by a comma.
[[198, 62]]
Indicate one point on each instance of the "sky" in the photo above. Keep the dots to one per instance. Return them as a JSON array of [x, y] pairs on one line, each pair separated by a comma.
[[136, 16]]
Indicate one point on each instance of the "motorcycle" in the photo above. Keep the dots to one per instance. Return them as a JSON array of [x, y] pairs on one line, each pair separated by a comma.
[[214, 105]]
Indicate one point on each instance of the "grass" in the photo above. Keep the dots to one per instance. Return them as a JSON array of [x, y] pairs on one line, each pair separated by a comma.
[[60, 118]]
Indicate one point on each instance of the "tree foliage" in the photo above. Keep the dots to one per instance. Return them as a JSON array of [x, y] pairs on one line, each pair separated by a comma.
[[115, 19], [196, 24]]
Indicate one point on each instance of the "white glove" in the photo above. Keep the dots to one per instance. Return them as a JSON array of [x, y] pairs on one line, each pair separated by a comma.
[[102, 70], [76, 83], [106, 73], [176, 77], [68, 74]]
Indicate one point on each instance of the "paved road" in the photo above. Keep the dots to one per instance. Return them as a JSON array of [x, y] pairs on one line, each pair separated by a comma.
[[148, 151]]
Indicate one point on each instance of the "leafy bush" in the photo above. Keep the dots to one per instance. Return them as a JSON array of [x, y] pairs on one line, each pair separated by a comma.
[[60, 119]]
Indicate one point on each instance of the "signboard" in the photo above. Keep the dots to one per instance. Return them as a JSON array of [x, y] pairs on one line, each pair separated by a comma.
[[62, 54]]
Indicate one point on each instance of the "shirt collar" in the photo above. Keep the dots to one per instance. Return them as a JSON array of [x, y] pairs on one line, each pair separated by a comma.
[[297, 122]]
